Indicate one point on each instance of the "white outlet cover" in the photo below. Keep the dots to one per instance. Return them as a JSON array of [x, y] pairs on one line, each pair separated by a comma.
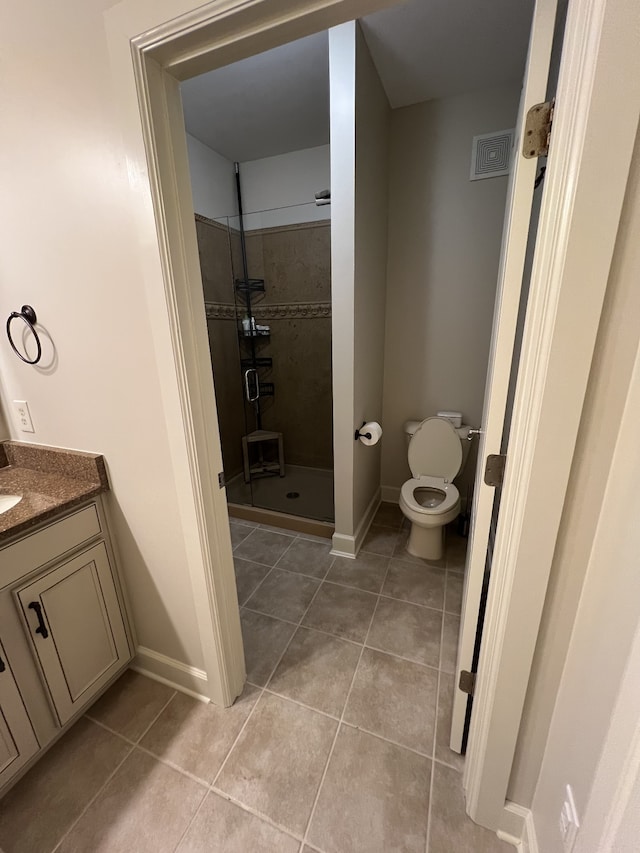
[[23, 415]]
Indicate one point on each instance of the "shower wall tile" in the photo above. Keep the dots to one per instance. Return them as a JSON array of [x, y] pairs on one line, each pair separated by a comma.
[[295, 262], [225, 359], [302, 406], [215, 260]]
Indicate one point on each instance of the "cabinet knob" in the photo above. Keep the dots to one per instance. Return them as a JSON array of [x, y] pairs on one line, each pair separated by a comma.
[[42, 628]]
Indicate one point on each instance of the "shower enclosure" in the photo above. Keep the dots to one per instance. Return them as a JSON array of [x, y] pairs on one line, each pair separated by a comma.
[[267, 286]]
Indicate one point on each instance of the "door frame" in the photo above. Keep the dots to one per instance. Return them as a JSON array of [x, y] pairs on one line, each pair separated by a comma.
[[153, 44]]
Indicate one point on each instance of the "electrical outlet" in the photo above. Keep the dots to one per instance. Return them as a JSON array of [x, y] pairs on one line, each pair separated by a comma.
[[21, 408], [569, 823]]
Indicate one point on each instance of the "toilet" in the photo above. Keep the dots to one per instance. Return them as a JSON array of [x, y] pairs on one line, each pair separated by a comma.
[[437, 452]]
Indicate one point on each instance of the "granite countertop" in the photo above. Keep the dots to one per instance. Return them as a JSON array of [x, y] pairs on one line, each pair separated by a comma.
[[50, 480]]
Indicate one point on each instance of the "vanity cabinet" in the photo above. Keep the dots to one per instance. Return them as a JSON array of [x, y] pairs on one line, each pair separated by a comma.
[[18, 742], [75, 625], [63, 627]]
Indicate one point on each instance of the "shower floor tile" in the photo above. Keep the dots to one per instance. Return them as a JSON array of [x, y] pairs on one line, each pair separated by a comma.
[[313, 488]]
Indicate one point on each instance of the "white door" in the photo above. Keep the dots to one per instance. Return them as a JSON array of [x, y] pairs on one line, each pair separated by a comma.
[[510, 277]]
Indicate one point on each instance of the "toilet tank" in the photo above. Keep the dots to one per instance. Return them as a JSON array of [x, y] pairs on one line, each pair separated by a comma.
[[463, 432]]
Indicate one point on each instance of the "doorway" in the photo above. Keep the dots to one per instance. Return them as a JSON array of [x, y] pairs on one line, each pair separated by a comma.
[[260, 177], [160, 107]]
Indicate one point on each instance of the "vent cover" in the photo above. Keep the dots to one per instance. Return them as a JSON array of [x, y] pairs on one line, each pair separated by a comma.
[[491, 154]]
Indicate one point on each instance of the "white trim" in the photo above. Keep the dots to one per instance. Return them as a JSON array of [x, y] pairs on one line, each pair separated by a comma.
[[227, 30], [349, 546], [517, 828], [560, 331], [390, 494], [145, 41], [173, 673], [512, 266]]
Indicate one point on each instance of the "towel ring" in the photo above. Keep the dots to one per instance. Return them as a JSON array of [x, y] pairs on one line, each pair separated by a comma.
[[29, 316]]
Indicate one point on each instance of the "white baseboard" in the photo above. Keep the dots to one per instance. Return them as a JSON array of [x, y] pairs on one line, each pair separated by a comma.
[[187, 679], [517, 828], [344, 545], [390, 494]]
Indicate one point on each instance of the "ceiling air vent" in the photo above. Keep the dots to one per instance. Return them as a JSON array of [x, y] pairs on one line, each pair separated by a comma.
[[491, 154]]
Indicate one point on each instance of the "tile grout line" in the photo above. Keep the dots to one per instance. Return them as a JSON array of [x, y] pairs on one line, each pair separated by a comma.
[[111, 731], [95, 797], [255, 589], [324, 579], [299, 623], [302, 704], [263, 690], [435, 736], [167, 763], [190, 823], [386, 739], [271, 568], [345, 586], [254, 812], [264, 687], [344, 708], [211, 787], [354, 642], [133, 745], [435, 746]]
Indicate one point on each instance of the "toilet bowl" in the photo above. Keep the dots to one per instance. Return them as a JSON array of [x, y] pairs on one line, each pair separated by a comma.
[[429, 500]]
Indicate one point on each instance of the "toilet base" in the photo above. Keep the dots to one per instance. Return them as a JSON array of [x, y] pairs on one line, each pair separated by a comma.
[[426, 542]]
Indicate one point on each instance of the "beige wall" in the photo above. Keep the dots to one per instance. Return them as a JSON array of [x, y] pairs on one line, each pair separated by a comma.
[[342, 82], [615, 354], [371, 211], [444, 246], [66, 191], [359, 157]]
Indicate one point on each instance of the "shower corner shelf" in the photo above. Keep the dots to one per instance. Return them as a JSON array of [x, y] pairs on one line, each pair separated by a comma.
[[258, 361], [253, 333], [253, 285]]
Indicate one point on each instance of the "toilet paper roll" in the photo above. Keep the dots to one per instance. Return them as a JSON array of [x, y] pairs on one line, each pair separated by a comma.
[[370, 433]]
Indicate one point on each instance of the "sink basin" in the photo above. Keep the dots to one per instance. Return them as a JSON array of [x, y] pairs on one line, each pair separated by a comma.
[[8, 501]]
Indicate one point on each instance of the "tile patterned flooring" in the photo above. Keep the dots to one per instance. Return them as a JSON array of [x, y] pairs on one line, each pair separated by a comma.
[[338, 743]]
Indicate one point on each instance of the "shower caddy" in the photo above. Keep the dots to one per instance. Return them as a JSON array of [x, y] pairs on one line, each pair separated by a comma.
[[254, 388]]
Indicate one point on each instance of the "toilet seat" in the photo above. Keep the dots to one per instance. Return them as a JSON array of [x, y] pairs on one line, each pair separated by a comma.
[[435, 450], [451, 495]]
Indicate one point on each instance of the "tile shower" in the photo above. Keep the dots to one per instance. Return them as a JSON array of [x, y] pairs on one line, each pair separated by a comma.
[[294, 261]]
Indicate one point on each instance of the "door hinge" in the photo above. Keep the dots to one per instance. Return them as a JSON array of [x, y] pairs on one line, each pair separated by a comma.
[[467, 682], [221, 482], [494, 469], [537, 130]]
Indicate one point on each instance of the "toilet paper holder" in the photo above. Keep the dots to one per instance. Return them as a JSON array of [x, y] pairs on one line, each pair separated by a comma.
[[359, 433]]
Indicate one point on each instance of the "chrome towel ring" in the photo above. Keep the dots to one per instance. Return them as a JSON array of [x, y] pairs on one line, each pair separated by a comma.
[[29, 316]]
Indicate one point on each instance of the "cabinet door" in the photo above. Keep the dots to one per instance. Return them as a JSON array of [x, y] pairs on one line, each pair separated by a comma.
[[73, 618], [17, 740]]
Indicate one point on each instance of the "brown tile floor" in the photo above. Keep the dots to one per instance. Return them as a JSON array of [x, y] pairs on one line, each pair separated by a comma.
[[338, 744]]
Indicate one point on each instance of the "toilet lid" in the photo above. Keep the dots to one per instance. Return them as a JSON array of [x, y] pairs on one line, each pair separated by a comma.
[[435, 450]]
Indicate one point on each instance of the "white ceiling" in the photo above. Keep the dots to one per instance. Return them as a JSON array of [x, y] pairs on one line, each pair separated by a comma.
[[269, 104], [278, 101], [426, 49]]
